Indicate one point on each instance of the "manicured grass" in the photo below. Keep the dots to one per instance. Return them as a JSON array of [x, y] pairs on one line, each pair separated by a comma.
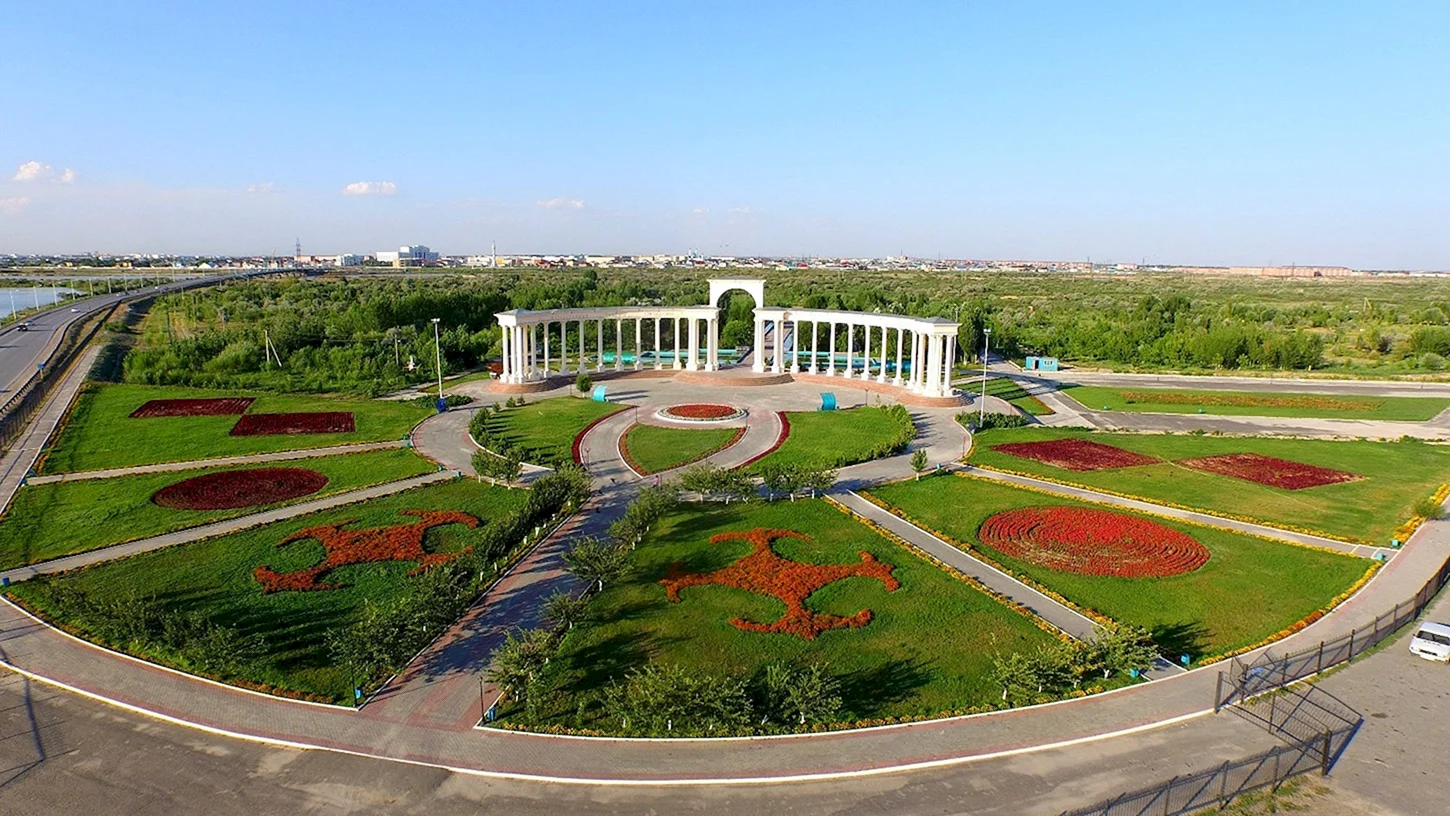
[[1009, 390], [545, 430], [839, 438], [214, 579], [927, 649], [1257, 403], [653, 448], [100, 432], [61, 518], [1250, 588], [1396, 475]]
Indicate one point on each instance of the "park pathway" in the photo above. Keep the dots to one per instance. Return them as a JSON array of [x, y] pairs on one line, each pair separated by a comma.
[[20, 457], [220, 461], [218, 528]]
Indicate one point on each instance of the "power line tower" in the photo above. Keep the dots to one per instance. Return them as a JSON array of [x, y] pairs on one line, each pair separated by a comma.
[[297, 250]]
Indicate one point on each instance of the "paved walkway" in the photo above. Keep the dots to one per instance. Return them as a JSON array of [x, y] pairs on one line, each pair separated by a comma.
[[217, 528], [221, 461], [403, 730], [20, 457]]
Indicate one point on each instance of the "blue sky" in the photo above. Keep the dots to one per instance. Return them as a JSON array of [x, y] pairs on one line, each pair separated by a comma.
[[1214, 133]]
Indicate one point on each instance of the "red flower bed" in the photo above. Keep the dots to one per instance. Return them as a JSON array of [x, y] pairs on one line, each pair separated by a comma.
[[779, 440], [765, 572], [309, 423], [701, 411], [1075, 454], [192, 407], [1087, 541], [230, 489], [401, 542], [1267, 470]]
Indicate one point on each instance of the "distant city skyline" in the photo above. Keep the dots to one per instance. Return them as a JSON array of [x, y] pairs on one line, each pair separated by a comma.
[[1236, 134]]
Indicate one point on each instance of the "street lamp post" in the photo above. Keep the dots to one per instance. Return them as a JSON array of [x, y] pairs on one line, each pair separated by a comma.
[[986, 344], [438, 349]]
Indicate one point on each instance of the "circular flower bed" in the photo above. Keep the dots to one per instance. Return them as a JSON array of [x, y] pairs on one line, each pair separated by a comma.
[[1087, 541], [231, 489], [701, 412]]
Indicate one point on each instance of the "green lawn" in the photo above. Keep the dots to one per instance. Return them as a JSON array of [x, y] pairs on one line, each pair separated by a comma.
[[1255, 403], [1009, 390], [839, 438], [1396, 475], [927, 649], [1250, 588], [61, 518], [546, 429], [100, 432], [653, 448], [214, 578]]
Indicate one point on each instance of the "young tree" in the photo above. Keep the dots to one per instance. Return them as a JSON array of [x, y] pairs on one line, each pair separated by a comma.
[[517, 664], [1126, 648], [564, 610], [597, 561], [510, 465], [918, 462], [819, 480], [795, 695], [583, 383], [774, 476]]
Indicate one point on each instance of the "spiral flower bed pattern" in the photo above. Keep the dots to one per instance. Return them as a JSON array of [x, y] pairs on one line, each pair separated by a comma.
[[231, 489], [701, 412], [401, 542], [192, 407], [1087, 541], [320, 422], [1268, 470], [1075, 454], [766, 572]]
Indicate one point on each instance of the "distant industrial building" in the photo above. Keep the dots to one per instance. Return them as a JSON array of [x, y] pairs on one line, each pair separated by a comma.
[[416, 255]]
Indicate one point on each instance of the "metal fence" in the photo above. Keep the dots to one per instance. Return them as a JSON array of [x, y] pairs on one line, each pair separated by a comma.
[[1187, 794], [1244, 681], [16, 412]]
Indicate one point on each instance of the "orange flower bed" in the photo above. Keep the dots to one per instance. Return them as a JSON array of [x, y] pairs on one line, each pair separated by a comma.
[[701, 412], [1075, 454], [1268, 470], [231, 489], [765, 572], [401, 542], [1088, 541], [192, 407]]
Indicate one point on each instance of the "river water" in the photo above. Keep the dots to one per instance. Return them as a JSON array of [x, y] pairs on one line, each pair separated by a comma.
[[12, 300]]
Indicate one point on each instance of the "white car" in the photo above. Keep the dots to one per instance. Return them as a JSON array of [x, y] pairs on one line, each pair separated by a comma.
[[1431, 641], [74, 309]]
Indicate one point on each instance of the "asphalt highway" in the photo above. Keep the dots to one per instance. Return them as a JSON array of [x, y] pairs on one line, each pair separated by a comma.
[[22, 351]]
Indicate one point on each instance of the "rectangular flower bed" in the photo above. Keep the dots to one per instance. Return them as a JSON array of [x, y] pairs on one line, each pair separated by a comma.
[[220, 406], [321, 422], [1075, 454], [1268, 470]]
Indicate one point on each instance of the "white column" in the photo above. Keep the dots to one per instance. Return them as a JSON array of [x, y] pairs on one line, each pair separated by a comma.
[[866, 352], [503, 353], [778, 346], [547, 372], [915, 376], [599, 329], [583, 358], [520, 352], [831, 364], [758, 366], [528, 352], [795, 347], [676, 363], [881, 375], [815, 343], [937, 344], [713, 363], [850, 348], [951, 361], [618, 343], [692, 363], [659, 364], [896, 380]]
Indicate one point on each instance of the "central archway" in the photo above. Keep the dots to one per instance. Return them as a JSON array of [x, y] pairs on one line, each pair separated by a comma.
[[752, 287]]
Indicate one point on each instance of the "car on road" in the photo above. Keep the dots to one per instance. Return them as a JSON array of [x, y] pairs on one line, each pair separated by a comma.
[[1431, 641], [24, 326], [74, 309]]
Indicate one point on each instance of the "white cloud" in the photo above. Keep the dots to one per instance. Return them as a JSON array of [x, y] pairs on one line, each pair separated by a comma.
[[699, 211], [741, 210], [264, 187], [562, 204], [370, 188], [38, 171], [67, 176], [11, 206]]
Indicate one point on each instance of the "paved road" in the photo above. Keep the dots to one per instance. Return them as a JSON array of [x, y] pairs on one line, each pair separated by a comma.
[[19, 459], [20, 351]]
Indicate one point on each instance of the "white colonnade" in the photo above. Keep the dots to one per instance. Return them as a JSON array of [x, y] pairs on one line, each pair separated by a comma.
[[536, 344], [915, 353]]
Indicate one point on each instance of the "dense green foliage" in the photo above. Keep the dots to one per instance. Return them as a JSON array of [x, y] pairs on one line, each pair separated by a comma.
[[61, 518], [1396, 475], [989, 420], [100, 432], [927, 648], [835, 439], [1249, 589], [358, 335]]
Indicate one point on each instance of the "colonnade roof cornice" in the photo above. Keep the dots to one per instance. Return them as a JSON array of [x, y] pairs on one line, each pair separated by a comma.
[[935, 325], [526, 317]]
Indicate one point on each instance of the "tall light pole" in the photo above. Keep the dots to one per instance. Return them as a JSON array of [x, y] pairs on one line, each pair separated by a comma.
[[986, 344], [438, 349]]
